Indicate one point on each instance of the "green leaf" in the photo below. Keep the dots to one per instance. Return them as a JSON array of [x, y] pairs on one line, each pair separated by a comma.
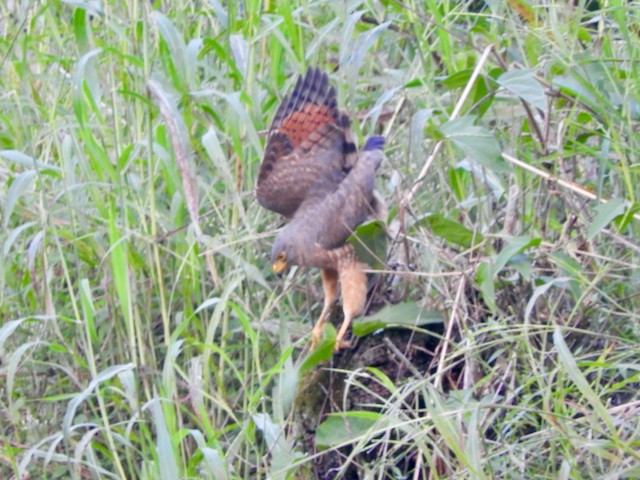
[[279, 446], [605, 214], [458, 178], [399, 315], [364, 42], [6, 330], [86, 81], [452, 231], [416, 83], [624, 220], [515, 246], [273, 434], [479, 96], [344, 428], [484, 277], [476, 142], [174, 41], [19, 158], [102, 377], [457, 80], [370, 243], [167, 466], [213, 462], [243, 121], [562, 282], [88, 310], [323, 352], [12, 236], [240, 50], [568, 364], [487, 271], [568, 267], [523, 84], [575, 89], [22, 183], [80, 29], [383, 379], [416, 132]]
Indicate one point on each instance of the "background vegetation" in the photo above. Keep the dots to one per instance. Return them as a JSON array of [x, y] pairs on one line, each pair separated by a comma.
[[143, 335]]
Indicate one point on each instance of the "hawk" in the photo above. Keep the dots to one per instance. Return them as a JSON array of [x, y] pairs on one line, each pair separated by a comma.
[[313, 174]]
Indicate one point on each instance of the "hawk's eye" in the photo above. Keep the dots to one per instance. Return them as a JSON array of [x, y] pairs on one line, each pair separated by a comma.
[[281, 256]]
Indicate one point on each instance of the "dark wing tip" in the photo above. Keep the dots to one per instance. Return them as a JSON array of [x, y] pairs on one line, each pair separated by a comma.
[[375, 142]]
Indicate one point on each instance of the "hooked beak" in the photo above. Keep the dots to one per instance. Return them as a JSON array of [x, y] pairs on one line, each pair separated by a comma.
[[279, 266]]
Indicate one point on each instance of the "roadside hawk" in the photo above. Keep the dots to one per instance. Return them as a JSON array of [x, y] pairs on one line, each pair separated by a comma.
[[312, 174]]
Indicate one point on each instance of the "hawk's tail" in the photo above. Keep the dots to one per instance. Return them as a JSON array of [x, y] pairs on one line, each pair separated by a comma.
[[375, 142]]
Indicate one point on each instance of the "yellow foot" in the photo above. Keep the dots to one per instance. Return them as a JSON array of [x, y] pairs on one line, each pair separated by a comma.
[[316, 338], [340, 344]]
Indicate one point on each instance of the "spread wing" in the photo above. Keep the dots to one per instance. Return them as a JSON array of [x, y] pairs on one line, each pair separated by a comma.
[[353, 201], [307, 147], [327, 217]]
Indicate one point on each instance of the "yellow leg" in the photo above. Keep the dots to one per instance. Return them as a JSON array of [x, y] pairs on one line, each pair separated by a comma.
[[354, 297], [330, 287]]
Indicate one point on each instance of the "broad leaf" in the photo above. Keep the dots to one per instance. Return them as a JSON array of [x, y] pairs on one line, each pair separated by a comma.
[[323, 352], [22, 183], [515, 246], [458, 178], [344, 428], [476, 142], [399, 315], [569, 367], [167, 467], [370, 242], [605, 214], [175, 43], [523, 84], [484, 277], [562, 282], [575, 89], [416, 132], [452, 231], [487, 271], [479, 96], [624, 220], [17, 157], [457, 80]]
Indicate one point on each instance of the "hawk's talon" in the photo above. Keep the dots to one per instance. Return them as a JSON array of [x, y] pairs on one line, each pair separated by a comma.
[[316, 339]]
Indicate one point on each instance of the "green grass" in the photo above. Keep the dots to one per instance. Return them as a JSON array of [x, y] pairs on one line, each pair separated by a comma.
[[142, 333]]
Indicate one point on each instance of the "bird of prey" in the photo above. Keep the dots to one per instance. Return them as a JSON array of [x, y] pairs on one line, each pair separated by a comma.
[[313, 174]]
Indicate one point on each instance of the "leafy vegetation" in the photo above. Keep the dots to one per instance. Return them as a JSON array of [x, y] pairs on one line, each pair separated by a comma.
[[143, 334]]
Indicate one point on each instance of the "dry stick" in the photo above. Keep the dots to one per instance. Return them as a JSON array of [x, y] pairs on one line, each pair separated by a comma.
[[180, 149], [456, 111], [558, 181], [403, 358], [447, 339]]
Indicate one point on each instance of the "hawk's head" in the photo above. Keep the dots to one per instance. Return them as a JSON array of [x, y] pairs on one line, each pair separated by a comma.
[[279, 264], [283, 254]]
